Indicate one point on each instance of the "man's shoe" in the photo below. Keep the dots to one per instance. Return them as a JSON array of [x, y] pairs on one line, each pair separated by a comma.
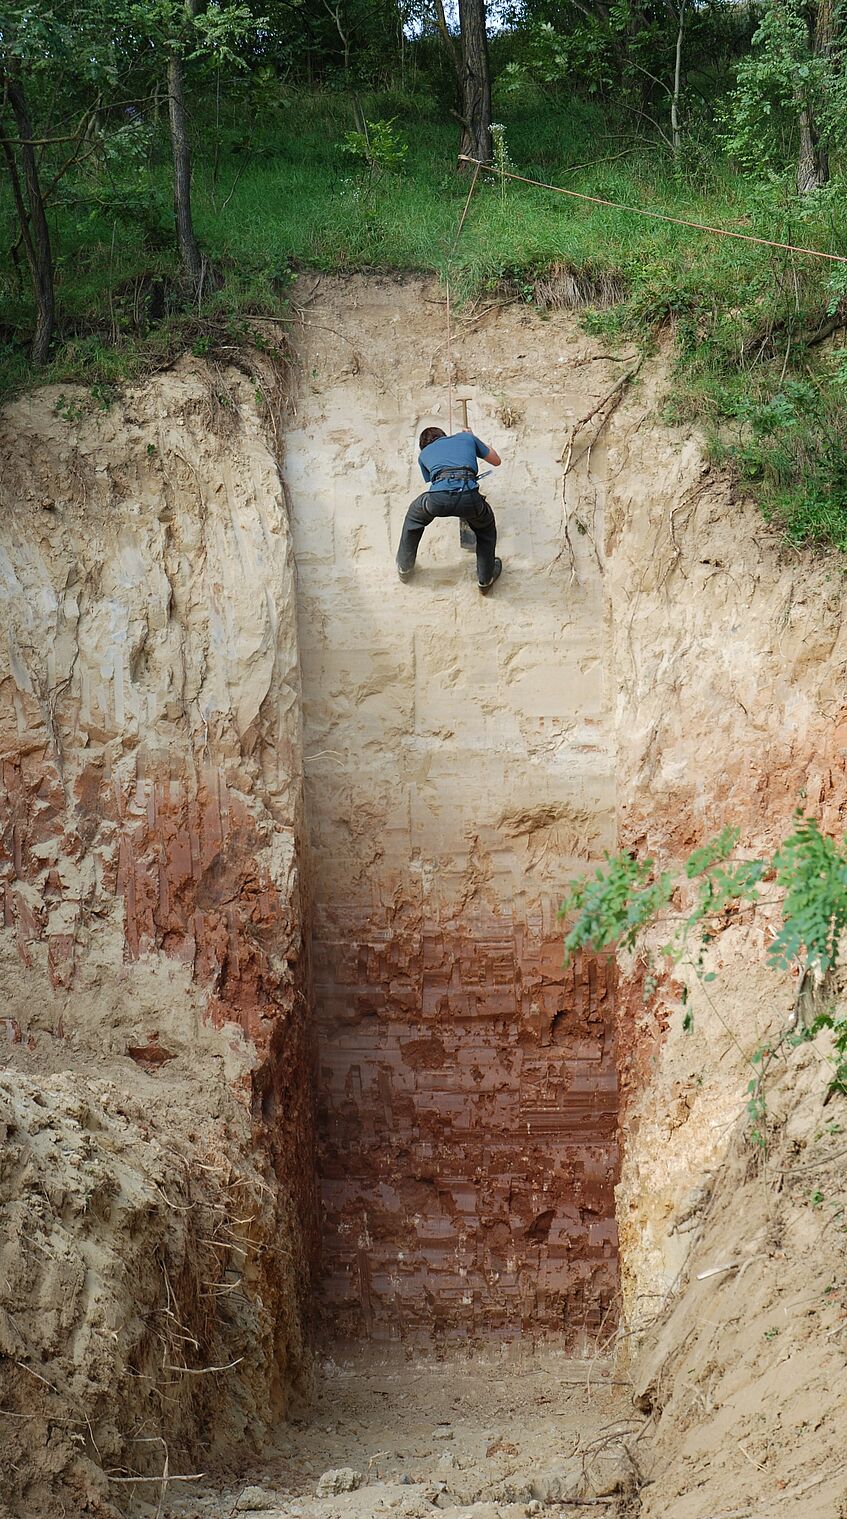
[[498, 566], [405, 574]]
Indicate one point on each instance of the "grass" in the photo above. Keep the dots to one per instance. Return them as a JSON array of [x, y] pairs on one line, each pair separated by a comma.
[[279, 194]]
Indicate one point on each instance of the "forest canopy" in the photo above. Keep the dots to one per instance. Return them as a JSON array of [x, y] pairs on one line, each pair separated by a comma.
[[169, 165]]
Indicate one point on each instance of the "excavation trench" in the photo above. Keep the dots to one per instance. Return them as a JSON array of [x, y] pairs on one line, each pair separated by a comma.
[[459, 769], [283, 843], [260, 802]]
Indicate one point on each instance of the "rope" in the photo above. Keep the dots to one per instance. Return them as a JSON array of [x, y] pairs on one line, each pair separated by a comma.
[[660, 216], [465, 211], [449, 363], [467, 203]]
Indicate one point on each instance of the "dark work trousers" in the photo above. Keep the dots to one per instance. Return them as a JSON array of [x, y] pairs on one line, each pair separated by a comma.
[[435, 503]]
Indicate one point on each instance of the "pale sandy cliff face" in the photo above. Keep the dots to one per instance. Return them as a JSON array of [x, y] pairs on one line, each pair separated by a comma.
[[153, 911], [185, 830], [459, 768], [729, 654]]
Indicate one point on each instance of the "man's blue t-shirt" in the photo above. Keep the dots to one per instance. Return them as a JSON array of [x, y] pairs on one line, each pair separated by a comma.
[[461, 451]]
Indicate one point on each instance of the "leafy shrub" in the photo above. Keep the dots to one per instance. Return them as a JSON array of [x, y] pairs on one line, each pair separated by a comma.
[[781, 73], [626, 896], [377, 148]]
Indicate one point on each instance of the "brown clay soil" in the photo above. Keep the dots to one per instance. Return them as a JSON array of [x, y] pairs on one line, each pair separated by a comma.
[[479, 1434]]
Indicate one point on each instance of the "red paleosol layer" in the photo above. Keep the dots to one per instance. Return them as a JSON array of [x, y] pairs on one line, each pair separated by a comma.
[[467, 1083], [467, 1113], [188, 873], [183, 855]]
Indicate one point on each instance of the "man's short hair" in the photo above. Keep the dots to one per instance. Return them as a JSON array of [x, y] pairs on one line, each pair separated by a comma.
[[430, 435]]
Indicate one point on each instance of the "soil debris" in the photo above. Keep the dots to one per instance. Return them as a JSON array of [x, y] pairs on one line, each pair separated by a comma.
[[508, 1413]]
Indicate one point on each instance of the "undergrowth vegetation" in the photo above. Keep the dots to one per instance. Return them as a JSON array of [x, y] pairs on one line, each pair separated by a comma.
[[805, 879], [355, 169]]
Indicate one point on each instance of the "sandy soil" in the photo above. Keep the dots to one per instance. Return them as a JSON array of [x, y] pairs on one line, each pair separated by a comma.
[[151, 993], [459, 769], [483, 1434], [743, 1371], [151, 964]]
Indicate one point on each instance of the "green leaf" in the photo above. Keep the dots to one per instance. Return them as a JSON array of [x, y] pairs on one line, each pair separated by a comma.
[[718, 848], [813, 871]]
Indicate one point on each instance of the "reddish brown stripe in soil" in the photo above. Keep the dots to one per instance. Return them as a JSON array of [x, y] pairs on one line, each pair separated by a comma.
[[184, 860], [468, 1104]]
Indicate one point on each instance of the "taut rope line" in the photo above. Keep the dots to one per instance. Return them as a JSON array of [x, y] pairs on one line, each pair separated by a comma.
[[449, 364], [467, 205], [478, 166], [660, 216]]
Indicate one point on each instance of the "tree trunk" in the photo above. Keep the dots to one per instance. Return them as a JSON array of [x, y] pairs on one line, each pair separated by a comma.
[[192, 260], [35, 232], [676, 129], [476, 82], [449, 42], [812, 156]]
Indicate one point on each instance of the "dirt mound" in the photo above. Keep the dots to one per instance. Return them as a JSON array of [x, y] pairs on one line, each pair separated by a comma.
[[130, 1321], [742, 1374]]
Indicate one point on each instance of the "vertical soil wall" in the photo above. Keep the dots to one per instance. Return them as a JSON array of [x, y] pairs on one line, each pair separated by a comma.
[[459, 769], [730, 661], [154, 985], [730, 656], [653, 664]]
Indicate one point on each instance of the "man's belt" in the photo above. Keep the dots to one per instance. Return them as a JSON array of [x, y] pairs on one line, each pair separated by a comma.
[[458, 472]]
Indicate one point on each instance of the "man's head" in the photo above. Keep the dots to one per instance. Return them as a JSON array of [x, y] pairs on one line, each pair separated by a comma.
[[430, 435]]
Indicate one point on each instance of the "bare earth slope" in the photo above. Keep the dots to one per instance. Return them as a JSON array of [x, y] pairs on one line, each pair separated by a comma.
[[458, 770], [156, 1172], [730, 660], [743, 1375], [157, 1178]]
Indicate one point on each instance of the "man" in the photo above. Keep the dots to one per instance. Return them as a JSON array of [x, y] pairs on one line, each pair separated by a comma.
[[449, 465]]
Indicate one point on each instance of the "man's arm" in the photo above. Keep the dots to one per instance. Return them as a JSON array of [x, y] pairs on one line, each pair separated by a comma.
[[490, 455]]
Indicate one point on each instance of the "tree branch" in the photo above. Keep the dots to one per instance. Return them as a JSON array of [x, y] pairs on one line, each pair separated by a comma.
[[448, 38]]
